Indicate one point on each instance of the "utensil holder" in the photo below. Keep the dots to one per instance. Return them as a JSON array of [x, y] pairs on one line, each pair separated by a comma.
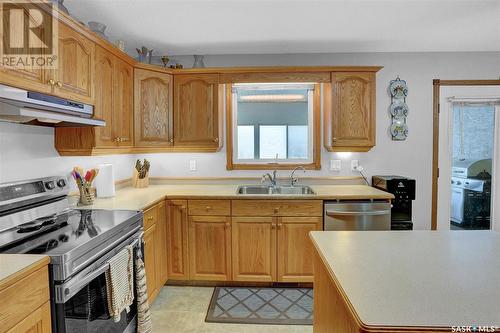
[[140, 182], [86, 195]]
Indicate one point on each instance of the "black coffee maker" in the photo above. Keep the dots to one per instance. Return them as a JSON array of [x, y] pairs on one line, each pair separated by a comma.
[[403, 189]]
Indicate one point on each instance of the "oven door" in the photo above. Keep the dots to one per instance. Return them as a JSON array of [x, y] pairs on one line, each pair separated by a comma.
[[457, 204], [81, 301]]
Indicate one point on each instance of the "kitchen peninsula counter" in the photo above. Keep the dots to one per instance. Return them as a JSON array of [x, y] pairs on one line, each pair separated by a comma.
[[406, 281]]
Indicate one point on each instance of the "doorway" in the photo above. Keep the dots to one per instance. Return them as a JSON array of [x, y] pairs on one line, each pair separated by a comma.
[[468, 126]]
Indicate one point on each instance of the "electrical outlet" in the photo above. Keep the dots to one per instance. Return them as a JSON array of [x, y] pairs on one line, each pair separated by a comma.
[[354, 165], [335, 165], [192, 165]]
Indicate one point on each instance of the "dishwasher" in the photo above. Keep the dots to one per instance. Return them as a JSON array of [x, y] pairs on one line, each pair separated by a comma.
[[357, 215]]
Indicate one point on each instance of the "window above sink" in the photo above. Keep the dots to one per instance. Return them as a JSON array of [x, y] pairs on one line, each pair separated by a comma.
[[273, 125]]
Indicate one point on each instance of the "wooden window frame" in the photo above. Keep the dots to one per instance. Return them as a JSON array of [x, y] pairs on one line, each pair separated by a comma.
[[316, 144]]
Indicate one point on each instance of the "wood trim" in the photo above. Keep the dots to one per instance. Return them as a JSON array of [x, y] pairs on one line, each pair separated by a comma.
[[316, 163], [435, 133], [278, 69], [317, 77]]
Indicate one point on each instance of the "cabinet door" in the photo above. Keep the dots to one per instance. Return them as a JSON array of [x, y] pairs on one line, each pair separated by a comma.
[[196, 112], [295, 249], [37, 322], [177, 244], [123, 90], [150, 244], [103, 108], [161, 256], [254, 248], [350, 112], [153, 108], [74, 76], [210, 248]]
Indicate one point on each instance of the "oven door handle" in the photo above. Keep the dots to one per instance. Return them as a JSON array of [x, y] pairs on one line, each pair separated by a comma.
[[67, 290], [333, 213]]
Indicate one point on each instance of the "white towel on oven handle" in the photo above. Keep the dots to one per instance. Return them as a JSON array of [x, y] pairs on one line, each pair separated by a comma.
[[120, 282]]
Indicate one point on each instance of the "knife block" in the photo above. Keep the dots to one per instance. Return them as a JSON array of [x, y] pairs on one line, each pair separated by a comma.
[[139, 182]]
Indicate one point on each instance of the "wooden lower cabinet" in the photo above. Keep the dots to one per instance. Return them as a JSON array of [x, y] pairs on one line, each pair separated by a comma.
[[155, 249], [37, 322], [177, 240], [150, 244], [295, 249], [254, 249], [210, 248]]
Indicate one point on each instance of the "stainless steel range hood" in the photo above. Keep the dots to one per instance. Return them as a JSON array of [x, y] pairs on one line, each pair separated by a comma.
[[32, 108]]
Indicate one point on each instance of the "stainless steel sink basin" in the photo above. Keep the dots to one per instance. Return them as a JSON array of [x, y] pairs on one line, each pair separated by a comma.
[[259, 189]]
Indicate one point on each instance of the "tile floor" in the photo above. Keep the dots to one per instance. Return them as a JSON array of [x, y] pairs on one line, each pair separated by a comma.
[[183, 310]]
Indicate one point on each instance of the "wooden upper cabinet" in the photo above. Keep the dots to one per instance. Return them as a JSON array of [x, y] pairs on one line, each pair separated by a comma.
[[210, 248], [74, 76], [196, 110], [349, 111], [123, 89], [104, 106], [254, 249], [295, 249], [153, 108]]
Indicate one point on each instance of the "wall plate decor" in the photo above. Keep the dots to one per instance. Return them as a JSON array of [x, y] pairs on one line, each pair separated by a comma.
[[398, 109]]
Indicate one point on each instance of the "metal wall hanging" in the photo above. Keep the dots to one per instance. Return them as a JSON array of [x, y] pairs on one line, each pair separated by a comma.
[[399, 109]]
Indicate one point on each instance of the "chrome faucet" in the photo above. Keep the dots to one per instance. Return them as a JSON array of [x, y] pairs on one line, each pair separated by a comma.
[[293, 179], [273, 179]]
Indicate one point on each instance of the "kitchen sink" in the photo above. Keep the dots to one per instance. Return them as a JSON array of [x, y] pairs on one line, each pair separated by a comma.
[[290, 190]]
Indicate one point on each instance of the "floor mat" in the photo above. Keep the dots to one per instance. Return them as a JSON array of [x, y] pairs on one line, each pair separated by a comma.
[[285, 306]]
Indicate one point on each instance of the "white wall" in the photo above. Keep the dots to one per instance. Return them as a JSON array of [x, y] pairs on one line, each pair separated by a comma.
[[28, 152]]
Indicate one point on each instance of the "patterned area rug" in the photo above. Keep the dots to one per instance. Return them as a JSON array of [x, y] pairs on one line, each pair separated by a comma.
[[285, 306]]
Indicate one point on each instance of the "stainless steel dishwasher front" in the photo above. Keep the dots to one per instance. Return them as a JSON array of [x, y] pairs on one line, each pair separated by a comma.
[[357, 215]]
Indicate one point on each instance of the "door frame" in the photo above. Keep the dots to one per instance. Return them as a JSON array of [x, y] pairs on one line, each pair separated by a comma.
[[437, 83]]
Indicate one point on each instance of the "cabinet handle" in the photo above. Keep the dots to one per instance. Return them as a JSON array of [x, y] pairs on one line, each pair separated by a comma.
[[51, 82], [171, 140], [216, 140], [280, 225], [273, 226], [334, 140], [228, 225], [208, 208], [59, 84], [150, 218], [276, 210], [183, 207]]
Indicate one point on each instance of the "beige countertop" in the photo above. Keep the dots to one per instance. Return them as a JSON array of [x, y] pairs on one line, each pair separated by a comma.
[[418, 278], [137, 198], [14, 267]]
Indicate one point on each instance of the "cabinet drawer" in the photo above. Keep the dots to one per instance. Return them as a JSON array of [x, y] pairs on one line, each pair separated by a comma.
[[277, 207], [150, 217], [209, 207], [23, 297]]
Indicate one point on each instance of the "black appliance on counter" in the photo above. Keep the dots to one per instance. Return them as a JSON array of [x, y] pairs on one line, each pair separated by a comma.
[[403, 189], [36, 218]]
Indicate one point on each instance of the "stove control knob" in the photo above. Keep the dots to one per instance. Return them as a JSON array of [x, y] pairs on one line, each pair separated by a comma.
[[50, 185], [61, 183], [453, 182], [459, 183]]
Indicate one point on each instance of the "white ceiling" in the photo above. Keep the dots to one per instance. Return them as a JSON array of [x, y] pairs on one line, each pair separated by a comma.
[[181, 27]]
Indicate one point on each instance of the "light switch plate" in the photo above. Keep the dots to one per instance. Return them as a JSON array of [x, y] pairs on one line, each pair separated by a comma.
[[354, 165], [335, 165], [192, 165]]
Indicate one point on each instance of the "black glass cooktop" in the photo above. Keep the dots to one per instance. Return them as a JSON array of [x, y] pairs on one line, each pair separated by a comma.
[[58, 235]]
